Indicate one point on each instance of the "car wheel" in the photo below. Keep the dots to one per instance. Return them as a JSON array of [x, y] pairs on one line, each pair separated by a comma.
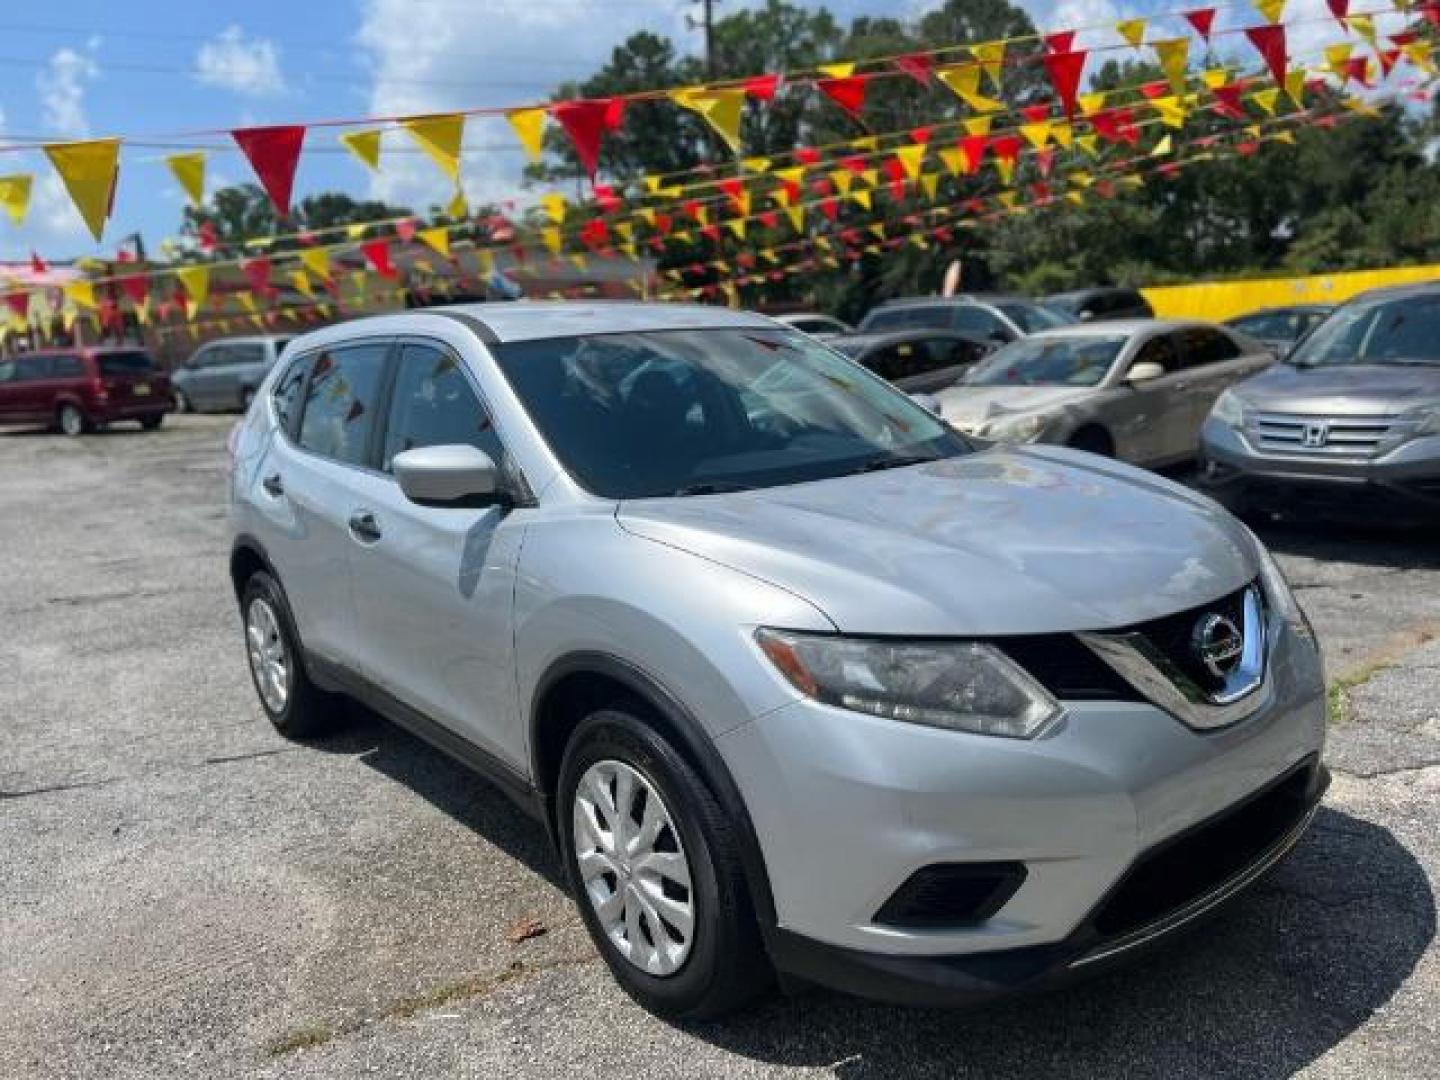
[[1093, 440], [654, 865], [182, 403], [151, 423], [295, 705], [72, 421]]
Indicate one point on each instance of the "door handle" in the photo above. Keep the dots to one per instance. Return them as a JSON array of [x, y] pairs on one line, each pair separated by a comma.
[[364, 527], [274, 485]]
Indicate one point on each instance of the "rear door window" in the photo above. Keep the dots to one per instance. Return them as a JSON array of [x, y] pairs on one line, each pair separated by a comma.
[[32, 368], [247, 354], [340, 401], [67, 367], [1159, 350], [1202, 346]]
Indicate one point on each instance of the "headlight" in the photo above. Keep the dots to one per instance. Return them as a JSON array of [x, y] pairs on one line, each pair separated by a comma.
[[1015, 429], [1426, 419], [1279, 594], [962, 686], [1229, 410]]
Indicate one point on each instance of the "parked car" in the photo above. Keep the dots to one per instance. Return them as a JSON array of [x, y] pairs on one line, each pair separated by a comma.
[[996, 318], [816, 325], [1138, 390], [1096, 305], [1353, 411], [222, 374], [78, 390], [917, 361], [1281, 327], [796, 678]]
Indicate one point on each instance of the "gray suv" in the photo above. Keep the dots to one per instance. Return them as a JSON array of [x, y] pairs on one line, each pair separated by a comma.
[[797, 678], [223, 374], [1354, 411]]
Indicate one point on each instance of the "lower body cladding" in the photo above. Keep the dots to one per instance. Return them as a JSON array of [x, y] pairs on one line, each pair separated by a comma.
[[932, 867], [1405, 477]]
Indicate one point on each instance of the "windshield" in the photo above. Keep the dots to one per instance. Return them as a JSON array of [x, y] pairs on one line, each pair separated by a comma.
[[125, 363], [1033, 318], [688, 412], [1058, 361], [1402, 331]]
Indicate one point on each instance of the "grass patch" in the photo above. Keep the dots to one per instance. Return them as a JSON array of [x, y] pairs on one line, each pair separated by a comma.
[[1338, 695], [301, 1038], [445, 993]]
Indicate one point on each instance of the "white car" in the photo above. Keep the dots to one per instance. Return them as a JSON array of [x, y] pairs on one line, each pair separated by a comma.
[[815, 324]]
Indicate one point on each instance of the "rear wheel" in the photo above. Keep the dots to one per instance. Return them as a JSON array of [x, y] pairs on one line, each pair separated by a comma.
[[72, 421], [655, 868], [295, 705], [150, 423], [182, 403]]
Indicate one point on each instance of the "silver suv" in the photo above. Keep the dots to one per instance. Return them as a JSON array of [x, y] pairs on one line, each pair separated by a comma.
[[225, 373], [1354, 411], [798, 679]]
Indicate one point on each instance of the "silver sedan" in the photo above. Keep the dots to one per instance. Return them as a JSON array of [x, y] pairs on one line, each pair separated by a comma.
[[1138, 390]]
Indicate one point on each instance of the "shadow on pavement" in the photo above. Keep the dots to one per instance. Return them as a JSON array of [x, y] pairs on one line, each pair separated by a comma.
[[1377, 543], [1265, 988]]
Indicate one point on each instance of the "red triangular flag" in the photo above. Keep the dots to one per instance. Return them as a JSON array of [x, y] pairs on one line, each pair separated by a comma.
[[1066, 70], [830, 208], [1340, 9], [1227, 100], [848, 93], [377, 254], [1045, 160], [19, 303], [1006, 147], [762, 87], [917, 65], [405, 229], [1202, 19], [895, 172], [1062, 41], [973, 147], [807, 155], [1269, 42], [273, 152], [585, 122], [136, 287], [919, 135], [37, 264], [1036, 114], [257, 272]]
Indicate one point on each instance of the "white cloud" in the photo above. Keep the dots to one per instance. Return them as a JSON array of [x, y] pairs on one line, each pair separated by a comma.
[[248, 66], [61, 87]]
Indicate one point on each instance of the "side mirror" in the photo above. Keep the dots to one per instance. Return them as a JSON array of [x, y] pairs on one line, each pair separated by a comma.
[[927, 402], [1145, 371], [445, 474]]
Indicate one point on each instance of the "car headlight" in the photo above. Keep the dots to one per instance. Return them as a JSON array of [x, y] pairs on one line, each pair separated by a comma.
[[1279, 594], [963, 686], [1016, 428], [1426, 420], [1228, 409]]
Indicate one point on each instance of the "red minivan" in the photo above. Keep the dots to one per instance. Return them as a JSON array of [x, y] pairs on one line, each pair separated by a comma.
[[78, 390]]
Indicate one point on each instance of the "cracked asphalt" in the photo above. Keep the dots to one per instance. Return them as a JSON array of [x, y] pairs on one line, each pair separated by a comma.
[[183, 893]]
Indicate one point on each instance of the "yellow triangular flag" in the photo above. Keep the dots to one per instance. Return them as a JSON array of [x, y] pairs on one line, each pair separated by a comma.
[[910, 158], [1172, 111], [80, 293], [842, 179], [954, 160], [1271, 9], [977, 125], [1090, 143], [1419, 54], [440, 137], [720, 108], [1081, 178], [88, 171], [862, 198], [1163, 147], [356, 230], [1337, 56], [1174, 55], [550, 237], [878, 230], [15, 196], [189, 173], [365, 145], [1037, 135], [1284, 136], [142, 311], [1132, 30], [457, 207], [301, 281], [529, 125], [196, 280], [1092, 103], [991, 55], [317, 261], [1295, 87], [796, 215], [930, 183], [1076, 197], [555, 205], [1267, 98], [964, 81], [837, 71], [756, 164], [1006, 168], [438, 239], [737, 226]]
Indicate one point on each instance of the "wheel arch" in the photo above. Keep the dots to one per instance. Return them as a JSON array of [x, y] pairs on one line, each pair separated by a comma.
[[247, 555], [579, 682]]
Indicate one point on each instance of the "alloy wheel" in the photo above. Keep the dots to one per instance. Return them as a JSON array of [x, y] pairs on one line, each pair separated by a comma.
[[268, 660], [71, 421], [633, 867]]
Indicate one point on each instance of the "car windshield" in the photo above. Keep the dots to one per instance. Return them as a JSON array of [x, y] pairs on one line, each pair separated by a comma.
[[1032, 318], [1400, 331], [126, 363], [690, 412], [1048, 361]]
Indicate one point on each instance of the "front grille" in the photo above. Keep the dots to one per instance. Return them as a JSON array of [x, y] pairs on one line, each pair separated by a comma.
[[1067, 669], [1343, 436], [1196, 863], [952, 894], [1173, 637]]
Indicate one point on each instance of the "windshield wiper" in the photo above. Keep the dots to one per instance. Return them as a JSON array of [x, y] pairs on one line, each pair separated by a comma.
[[712, 487], [896, 461]]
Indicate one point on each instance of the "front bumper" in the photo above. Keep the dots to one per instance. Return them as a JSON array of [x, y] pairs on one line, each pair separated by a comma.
[[1409, 472], [847, 808]]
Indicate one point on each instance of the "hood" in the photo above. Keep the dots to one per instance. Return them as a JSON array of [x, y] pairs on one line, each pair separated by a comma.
[[1347, 390], [1005, 541], [973, 405]]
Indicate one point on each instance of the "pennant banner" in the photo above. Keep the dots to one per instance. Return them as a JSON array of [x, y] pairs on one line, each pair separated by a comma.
[[15, 196], [189, 173], [274, 153], [440, 137], [88, 171]]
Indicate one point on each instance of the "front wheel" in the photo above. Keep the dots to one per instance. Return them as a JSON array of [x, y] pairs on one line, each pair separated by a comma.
[[182, 402], [72, 421], [294, 704], [654, 866]]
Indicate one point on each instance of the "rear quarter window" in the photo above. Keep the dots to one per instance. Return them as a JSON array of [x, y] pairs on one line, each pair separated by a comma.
[[125, 363]]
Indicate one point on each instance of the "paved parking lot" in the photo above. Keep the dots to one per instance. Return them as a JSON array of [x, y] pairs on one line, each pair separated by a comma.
[[183, 893]]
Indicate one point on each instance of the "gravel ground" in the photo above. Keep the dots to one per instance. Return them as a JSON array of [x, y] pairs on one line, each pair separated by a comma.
[[183, 893]]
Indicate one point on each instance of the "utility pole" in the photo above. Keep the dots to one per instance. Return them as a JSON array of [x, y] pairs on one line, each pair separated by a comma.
[[707, 23]]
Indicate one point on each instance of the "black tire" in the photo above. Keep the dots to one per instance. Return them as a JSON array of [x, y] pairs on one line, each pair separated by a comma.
[[307, 710], [727, 967], [72, 421], [151, 423], [1093, 440]]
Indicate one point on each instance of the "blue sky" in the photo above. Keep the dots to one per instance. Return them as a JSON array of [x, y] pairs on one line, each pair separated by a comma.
[[82, 68]]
